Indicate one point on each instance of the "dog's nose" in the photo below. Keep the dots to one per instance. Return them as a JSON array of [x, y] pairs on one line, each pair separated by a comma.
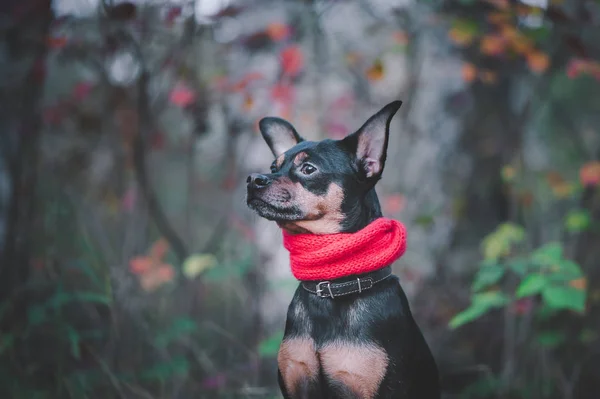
[[256, 180]]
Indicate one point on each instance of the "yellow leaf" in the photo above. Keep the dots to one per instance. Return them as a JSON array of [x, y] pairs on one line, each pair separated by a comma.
[[198, 264], [376, 71]]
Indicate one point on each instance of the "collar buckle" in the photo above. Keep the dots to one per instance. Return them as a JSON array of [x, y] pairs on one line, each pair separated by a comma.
[[320, 289]]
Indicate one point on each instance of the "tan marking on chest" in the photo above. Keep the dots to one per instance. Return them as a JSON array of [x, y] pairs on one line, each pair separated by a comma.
[[361, 368], [298, 362]]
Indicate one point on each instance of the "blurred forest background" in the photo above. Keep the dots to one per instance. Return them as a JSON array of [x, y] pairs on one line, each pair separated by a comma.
[[131, 268]]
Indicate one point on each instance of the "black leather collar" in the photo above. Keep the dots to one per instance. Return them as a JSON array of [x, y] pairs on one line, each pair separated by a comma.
[[347, 285]]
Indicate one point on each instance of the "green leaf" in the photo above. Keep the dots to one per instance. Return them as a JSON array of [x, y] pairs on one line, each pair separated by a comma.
[[548, 255], [165, 370], [544, 312], [570, 268], [551, 339], [489, 274], [464, 25], [270, 346], [531, 285], [481, 304], [577, 220], [424, 220], [36, 315], [179, 327], [568, 298], [74, 339], [61, 298], [518, 265], [6, 342], [588, 336]]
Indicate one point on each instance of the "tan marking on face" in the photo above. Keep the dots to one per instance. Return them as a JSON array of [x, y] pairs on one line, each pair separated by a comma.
[[300, 157], [279, 161], [361, 368], [322, 214], [297, 361]]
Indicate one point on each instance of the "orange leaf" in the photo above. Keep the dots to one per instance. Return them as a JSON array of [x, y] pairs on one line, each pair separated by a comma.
[[352, 58], [157, 277], [375, 72], [498, 17], [488, 77], [469, 72], [589, 174], [526, 199], [278, 31], [159, 249], [580, 283], [521, 45], [492, 45], [248, 102], [538, 61], [292, 60]]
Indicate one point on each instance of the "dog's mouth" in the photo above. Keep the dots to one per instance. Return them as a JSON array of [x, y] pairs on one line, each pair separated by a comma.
[[273, 211]]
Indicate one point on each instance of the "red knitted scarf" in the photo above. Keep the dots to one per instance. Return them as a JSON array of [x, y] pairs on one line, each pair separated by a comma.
[[331, 256]]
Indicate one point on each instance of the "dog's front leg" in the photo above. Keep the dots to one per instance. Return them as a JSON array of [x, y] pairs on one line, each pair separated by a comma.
[[299, 369]]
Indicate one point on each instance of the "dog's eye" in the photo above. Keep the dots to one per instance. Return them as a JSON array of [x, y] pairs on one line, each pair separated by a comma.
[[307, 169]]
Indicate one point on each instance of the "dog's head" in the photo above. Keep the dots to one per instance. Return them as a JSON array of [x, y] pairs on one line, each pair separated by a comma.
[[322, 187]]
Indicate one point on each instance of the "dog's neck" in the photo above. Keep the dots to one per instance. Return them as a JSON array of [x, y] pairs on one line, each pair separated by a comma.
[[360, 212], [332, 256]]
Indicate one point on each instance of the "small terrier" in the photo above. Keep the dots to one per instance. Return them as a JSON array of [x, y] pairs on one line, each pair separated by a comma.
[[349, 331]]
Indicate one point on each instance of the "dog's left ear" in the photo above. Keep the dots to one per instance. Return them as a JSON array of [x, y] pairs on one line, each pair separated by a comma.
[[370, 142], [279, 134]]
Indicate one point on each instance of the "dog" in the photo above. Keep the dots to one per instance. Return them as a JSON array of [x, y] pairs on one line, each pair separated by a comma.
[[352, 336]]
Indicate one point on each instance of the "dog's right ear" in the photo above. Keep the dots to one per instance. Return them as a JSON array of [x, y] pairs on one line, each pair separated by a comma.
[[279, 134]]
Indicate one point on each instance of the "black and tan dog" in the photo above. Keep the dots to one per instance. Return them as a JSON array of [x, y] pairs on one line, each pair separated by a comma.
[[342, 341]]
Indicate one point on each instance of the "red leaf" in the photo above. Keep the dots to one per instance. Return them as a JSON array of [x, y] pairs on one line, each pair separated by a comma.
[[172, 15], [56, 42], [81, 90], [282, 93], [336, 130], [141, 265], [394, 203], [53, 115], [292, 60], [129, 199], [245, 81], [182, 95], [159, 249]]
